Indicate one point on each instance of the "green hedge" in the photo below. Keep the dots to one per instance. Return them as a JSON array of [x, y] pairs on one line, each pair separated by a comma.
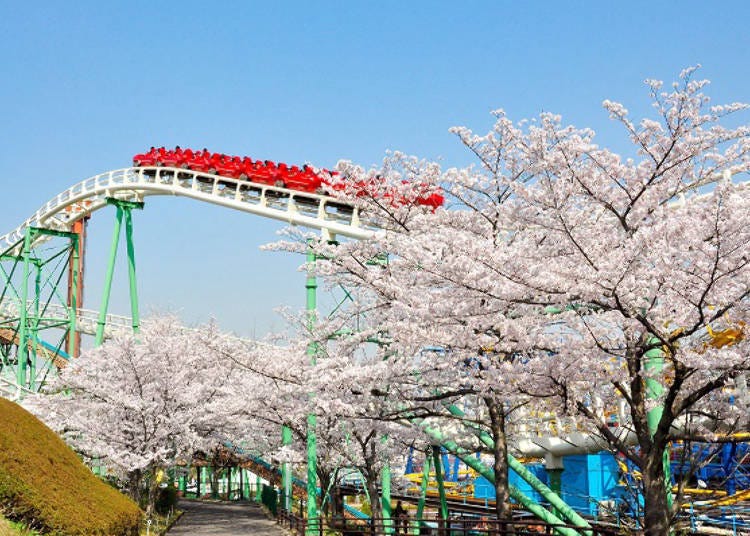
[[44, 484]]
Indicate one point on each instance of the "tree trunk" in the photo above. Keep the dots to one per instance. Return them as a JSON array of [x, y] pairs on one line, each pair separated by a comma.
[[656, 508], [135, 479], [377, 512], [153, 488], [500, 459]]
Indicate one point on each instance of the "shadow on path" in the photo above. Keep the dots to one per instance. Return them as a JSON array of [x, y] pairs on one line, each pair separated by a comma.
[[223, 519]]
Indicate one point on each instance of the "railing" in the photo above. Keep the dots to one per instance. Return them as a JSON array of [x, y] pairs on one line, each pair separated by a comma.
[[455, 526]]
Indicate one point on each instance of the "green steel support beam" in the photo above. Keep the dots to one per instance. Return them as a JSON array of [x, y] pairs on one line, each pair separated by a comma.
[[131, 271], [654, 364], [108, 279], [311, 286], [528, 503], [423, 486], [438, 463], [124, 208], [554, 467], [286, 473], [23, 334], [258, 489], [537, 485], [385, 497], [35, 328]]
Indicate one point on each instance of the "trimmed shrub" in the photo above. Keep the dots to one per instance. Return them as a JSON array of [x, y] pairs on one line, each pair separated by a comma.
[[44, 484], [166, 500]]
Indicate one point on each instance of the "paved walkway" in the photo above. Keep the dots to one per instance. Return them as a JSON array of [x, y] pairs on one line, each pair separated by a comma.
[[223, 519]]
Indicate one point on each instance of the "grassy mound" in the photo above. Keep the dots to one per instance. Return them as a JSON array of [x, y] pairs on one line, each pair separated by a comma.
[[43, 483]]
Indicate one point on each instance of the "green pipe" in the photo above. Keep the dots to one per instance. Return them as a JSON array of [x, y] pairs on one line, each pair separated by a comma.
[[437, 462], [131, 270], [35, 328], [528, 503], [286, 473], [654, 363], [23, 331], [536, 484], [423, 487], [108, 279], [555, 482], [311, 286]]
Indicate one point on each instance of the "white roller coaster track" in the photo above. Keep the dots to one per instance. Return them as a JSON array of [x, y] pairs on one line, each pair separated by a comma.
[[134, 184], [86, 319]]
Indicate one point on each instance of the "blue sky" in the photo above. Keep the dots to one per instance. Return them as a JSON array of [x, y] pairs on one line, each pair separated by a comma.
[[85, 85]]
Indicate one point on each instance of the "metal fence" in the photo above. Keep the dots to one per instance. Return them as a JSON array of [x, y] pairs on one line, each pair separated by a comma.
[[459, 526]]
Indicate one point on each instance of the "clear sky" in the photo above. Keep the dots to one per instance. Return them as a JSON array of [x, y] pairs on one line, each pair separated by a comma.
[[86, 84]]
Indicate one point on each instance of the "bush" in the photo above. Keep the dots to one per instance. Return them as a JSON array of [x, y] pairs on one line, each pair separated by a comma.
[[166, 500], [45, 485]]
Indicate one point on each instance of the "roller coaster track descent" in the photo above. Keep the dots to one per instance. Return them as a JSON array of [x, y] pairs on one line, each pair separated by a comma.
[[134, 184]]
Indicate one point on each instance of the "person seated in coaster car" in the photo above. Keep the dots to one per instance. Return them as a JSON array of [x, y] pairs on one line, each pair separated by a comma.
[[171, 158], [145, 159], [228, 166], [260, 173]]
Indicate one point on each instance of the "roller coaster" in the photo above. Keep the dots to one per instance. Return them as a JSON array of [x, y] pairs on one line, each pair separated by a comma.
[[41, 313]]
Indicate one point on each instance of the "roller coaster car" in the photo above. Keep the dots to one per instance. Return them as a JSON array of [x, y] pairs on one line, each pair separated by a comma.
[[260, 173], [145, 159], [228, 166], [304, 180], [424, 197], [374, 187], [433, 200], [174, 158], [201, 162]]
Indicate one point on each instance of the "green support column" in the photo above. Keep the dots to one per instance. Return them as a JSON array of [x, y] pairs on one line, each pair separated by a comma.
[[423, 489], [385, 497], [311, 286], [23, 333], [123, 208], [35, 328], [554, 467], [528, 503], [135, 315], [438, 463], [258, 488], [537, 485], [286, 473], [108, 279], [654, 364]]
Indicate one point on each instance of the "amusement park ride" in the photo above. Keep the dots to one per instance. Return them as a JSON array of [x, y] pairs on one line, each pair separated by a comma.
[[42, 319]]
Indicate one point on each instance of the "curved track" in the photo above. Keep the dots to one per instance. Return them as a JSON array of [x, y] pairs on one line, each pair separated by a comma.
[[86, 319], [134, 184]]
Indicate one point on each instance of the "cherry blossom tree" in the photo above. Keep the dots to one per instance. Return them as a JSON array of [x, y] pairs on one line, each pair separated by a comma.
[[596, 279], [137, 403]]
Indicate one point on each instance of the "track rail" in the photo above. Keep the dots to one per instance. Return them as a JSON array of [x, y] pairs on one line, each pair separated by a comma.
[[86, 319], [134, 184]]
